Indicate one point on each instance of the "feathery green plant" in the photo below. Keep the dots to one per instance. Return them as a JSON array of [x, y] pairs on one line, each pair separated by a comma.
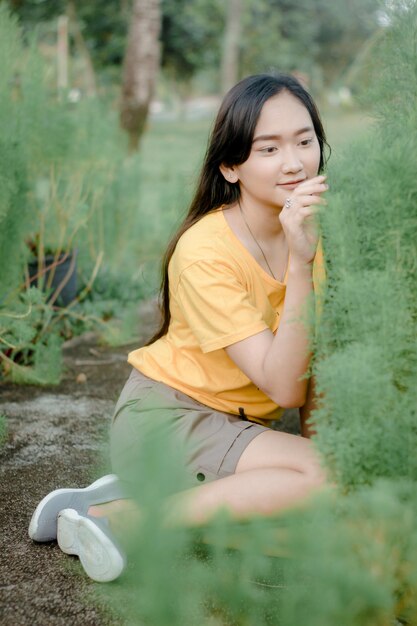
[[366, 356], [66, 184], [13, 162], [354, 559], [3, 429]]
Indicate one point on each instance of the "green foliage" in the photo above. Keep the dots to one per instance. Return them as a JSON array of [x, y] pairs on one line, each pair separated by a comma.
[[13, 166], [3, 429], [31, 11], [189, 583], [354, 559], [23, 318], [341, 29], [79, 190], [346, 559], [114, 301], [124, 328], [320, 38], [265, 47], [367, 357], [67, 185], [103, 24], [395, 50], [30, 340], [68, 179], [191, 42]]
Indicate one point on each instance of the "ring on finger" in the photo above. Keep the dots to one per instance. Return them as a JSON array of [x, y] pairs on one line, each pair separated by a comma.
[[288, 203]]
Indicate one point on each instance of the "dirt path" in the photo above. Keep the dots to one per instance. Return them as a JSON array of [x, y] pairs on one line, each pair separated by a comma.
[[57, 436]]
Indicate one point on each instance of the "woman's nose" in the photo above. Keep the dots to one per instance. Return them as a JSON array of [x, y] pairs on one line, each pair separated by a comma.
[[291, 162]]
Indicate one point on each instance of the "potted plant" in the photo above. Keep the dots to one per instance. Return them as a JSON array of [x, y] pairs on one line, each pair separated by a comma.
[[54, 271]]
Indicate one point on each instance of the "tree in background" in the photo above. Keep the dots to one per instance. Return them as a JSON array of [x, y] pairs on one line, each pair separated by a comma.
[[229, 71], [140, 68], [102, 24], [343, 28], [320, 38], [83, 50], [191, 43]]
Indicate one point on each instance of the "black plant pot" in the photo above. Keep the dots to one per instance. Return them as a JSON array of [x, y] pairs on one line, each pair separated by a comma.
[[64, 276]]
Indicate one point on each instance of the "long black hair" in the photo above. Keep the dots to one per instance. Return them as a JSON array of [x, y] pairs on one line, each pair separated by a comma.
[[230, 144]]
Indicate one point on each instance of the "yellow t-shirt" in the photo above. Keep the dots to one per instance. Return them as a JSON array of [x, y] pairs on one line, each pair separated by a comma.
[[219, 295]]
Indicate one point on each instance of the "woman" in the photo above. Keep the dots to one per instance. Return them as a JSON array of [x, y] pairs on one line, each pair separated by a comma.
[[232, 351]]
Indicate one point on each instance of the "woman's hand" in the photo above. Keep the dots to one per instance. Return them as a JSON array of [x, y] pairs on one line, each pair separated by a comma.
[[297, 218]]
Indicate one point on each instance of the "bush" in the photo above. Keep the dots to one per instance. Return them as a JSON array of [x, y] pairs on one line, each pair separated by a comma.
[[3, 429], [366, 357], [66, 185]]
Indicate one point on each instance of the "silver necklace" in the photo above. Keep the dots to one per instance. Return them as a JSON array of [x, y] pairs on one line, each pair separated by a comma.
[[256, 241]]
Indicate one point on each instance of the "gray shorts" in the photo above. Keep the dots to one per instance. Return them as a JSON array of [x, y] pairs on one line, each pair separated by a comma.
[[211, 442]]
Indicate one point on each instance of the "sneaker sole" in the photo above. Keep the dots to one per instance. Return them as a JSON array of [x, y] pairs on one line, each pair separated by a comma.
[[80, 536], [37, 530]]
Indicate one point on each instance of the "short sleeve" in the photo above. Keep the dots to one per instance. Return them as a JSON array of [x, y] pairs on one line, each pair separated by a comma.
[[216, 305]]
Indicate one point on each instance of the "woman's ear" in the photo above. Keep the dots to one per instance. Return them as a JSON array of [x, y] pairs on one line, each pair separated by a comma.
[[229, 173]]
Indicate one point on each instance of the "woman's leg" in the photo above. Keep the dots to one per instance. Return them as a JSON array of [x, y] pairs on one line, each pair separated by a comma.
[[283, 451], [276, 471]]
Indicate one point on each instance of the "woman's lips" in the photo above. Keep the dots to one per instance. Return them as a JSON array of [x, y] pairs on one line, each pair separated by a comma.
[[291, 185]]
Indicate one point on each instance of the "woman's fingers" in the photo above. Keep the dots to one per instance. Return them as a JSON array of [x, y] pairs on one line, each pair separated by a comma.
[[311, 189], [308, 212], [321, 180], [298, 217], [304, 201], [313, 186], [308, 200]]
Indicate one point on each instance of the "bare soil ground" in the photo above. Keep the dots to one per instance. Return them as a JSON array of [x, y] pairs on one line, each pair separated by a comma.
[[57, 437]]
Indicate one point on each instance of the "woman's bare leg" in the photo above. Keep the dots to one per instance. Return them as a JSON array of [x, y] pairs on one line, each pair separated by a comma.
[[276, 471], [282, 451]]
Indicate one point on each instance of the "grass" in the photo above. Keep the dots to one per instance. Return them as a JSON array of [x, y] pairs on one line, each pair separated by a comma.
[[171, 155], [169, 162]]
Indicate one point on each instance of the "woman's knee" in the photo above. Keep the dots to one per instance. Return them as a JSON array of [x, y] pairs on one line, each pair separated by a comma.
[[272, 449], [283, 488], [316, 475]]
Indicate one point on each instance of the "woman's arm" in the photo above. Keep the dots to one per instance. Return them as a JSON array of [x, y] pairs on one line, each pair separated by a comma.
[[277, 364]]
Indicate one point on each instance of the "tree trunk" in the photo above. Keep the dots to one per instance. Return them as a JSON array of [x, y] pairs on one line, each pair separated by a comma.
[[62, 54], [231, 44], [140, 68], [83, 51]]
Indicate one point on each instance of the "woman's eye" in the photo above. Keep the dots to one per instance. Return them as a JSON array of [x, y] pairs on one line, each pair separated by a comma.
[[268, 149], [306, 142]]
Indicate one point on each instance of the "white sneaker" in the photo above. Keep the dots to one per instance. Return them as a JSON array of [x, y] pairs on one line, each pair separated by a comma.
[[91, 539], [43, 524]]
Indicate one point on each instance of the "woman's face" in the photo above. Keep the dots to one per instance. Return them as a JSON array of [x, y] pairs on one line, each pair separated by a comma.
[[285, 152]]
